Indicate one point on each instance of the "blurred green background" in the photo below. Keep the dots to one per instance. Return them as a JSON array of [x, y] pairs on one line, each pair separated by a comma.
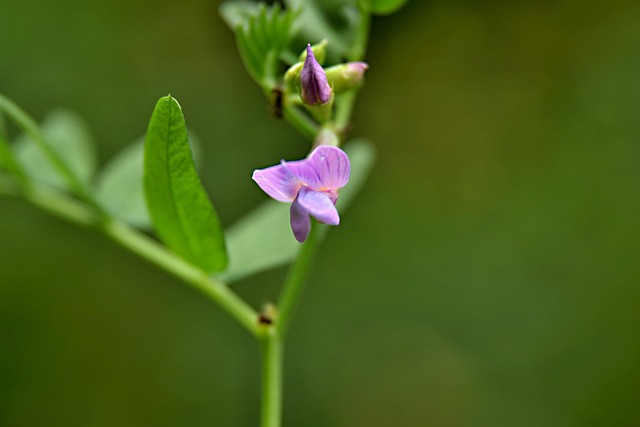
[[487, 276]]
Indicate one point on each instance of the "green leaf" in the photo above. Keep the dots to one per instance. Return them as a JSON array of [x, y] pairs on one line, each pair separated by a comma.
[[179, 207], [263, 239], [119, 187], [263, 35], [69, 137], [382, 7]]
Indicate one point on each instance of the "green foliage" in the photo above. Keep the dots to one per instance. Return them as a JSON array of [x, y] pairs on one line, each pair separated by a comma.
[[263, 35], [69, 137], [382, 7], [178, 205], [262, 239]]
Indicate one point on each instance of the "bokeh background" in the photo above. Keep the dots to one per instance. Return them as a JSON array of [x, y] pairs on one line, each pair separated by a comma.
[[488, 275]]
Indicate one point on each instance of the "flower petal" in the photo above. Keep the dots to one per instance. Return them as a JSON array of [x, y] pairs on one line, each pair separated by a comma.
[[327, 168], [318, 205], [300, 222], [278, 182]]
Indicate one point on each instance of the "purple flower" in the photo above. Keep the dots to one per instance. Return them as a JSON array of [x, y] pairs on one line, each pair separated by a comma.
[[311, 185], [313, 81]]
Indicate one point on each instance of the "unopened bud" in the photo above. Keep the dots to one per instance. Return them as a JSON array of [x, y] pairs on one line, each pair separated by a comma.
[[346, 76], [313, 81]]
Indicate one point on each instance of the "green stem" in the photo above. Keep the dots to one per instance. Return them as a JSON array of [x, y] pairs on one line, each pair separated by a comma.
[[216, 291], [9, 162], [3, 127], [150, 250], [271, 352], [361, 38], [272, 338], [296, 278], [300, 121], [30, 127], [344, 107], [346, 102]]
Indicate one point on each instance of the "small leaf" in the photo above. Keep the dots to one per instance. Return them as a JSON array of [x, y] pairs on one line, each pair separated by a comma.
[[178, 205], [263, 239], [68, 135], [263, 35], [382, 7]]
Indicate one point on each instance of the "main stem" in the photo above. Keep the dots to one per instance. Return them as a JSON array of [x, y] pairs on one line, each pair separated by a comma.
[[271, 352], [294, 283]]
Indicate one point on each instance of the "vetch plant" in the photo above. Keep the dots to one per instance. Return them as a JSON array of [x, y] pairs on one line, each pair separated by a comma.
[[154, 185]]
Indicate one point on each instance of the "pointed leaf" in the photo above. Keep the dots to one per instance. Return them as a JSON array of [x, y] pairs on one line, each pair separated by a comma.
[[263, 239], [263, 35], [178, 205]]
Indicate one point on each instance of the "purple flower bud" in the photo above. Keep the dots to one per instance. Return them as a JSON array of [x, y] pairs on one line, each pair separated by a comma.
[[313, 81], [311, 185]]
